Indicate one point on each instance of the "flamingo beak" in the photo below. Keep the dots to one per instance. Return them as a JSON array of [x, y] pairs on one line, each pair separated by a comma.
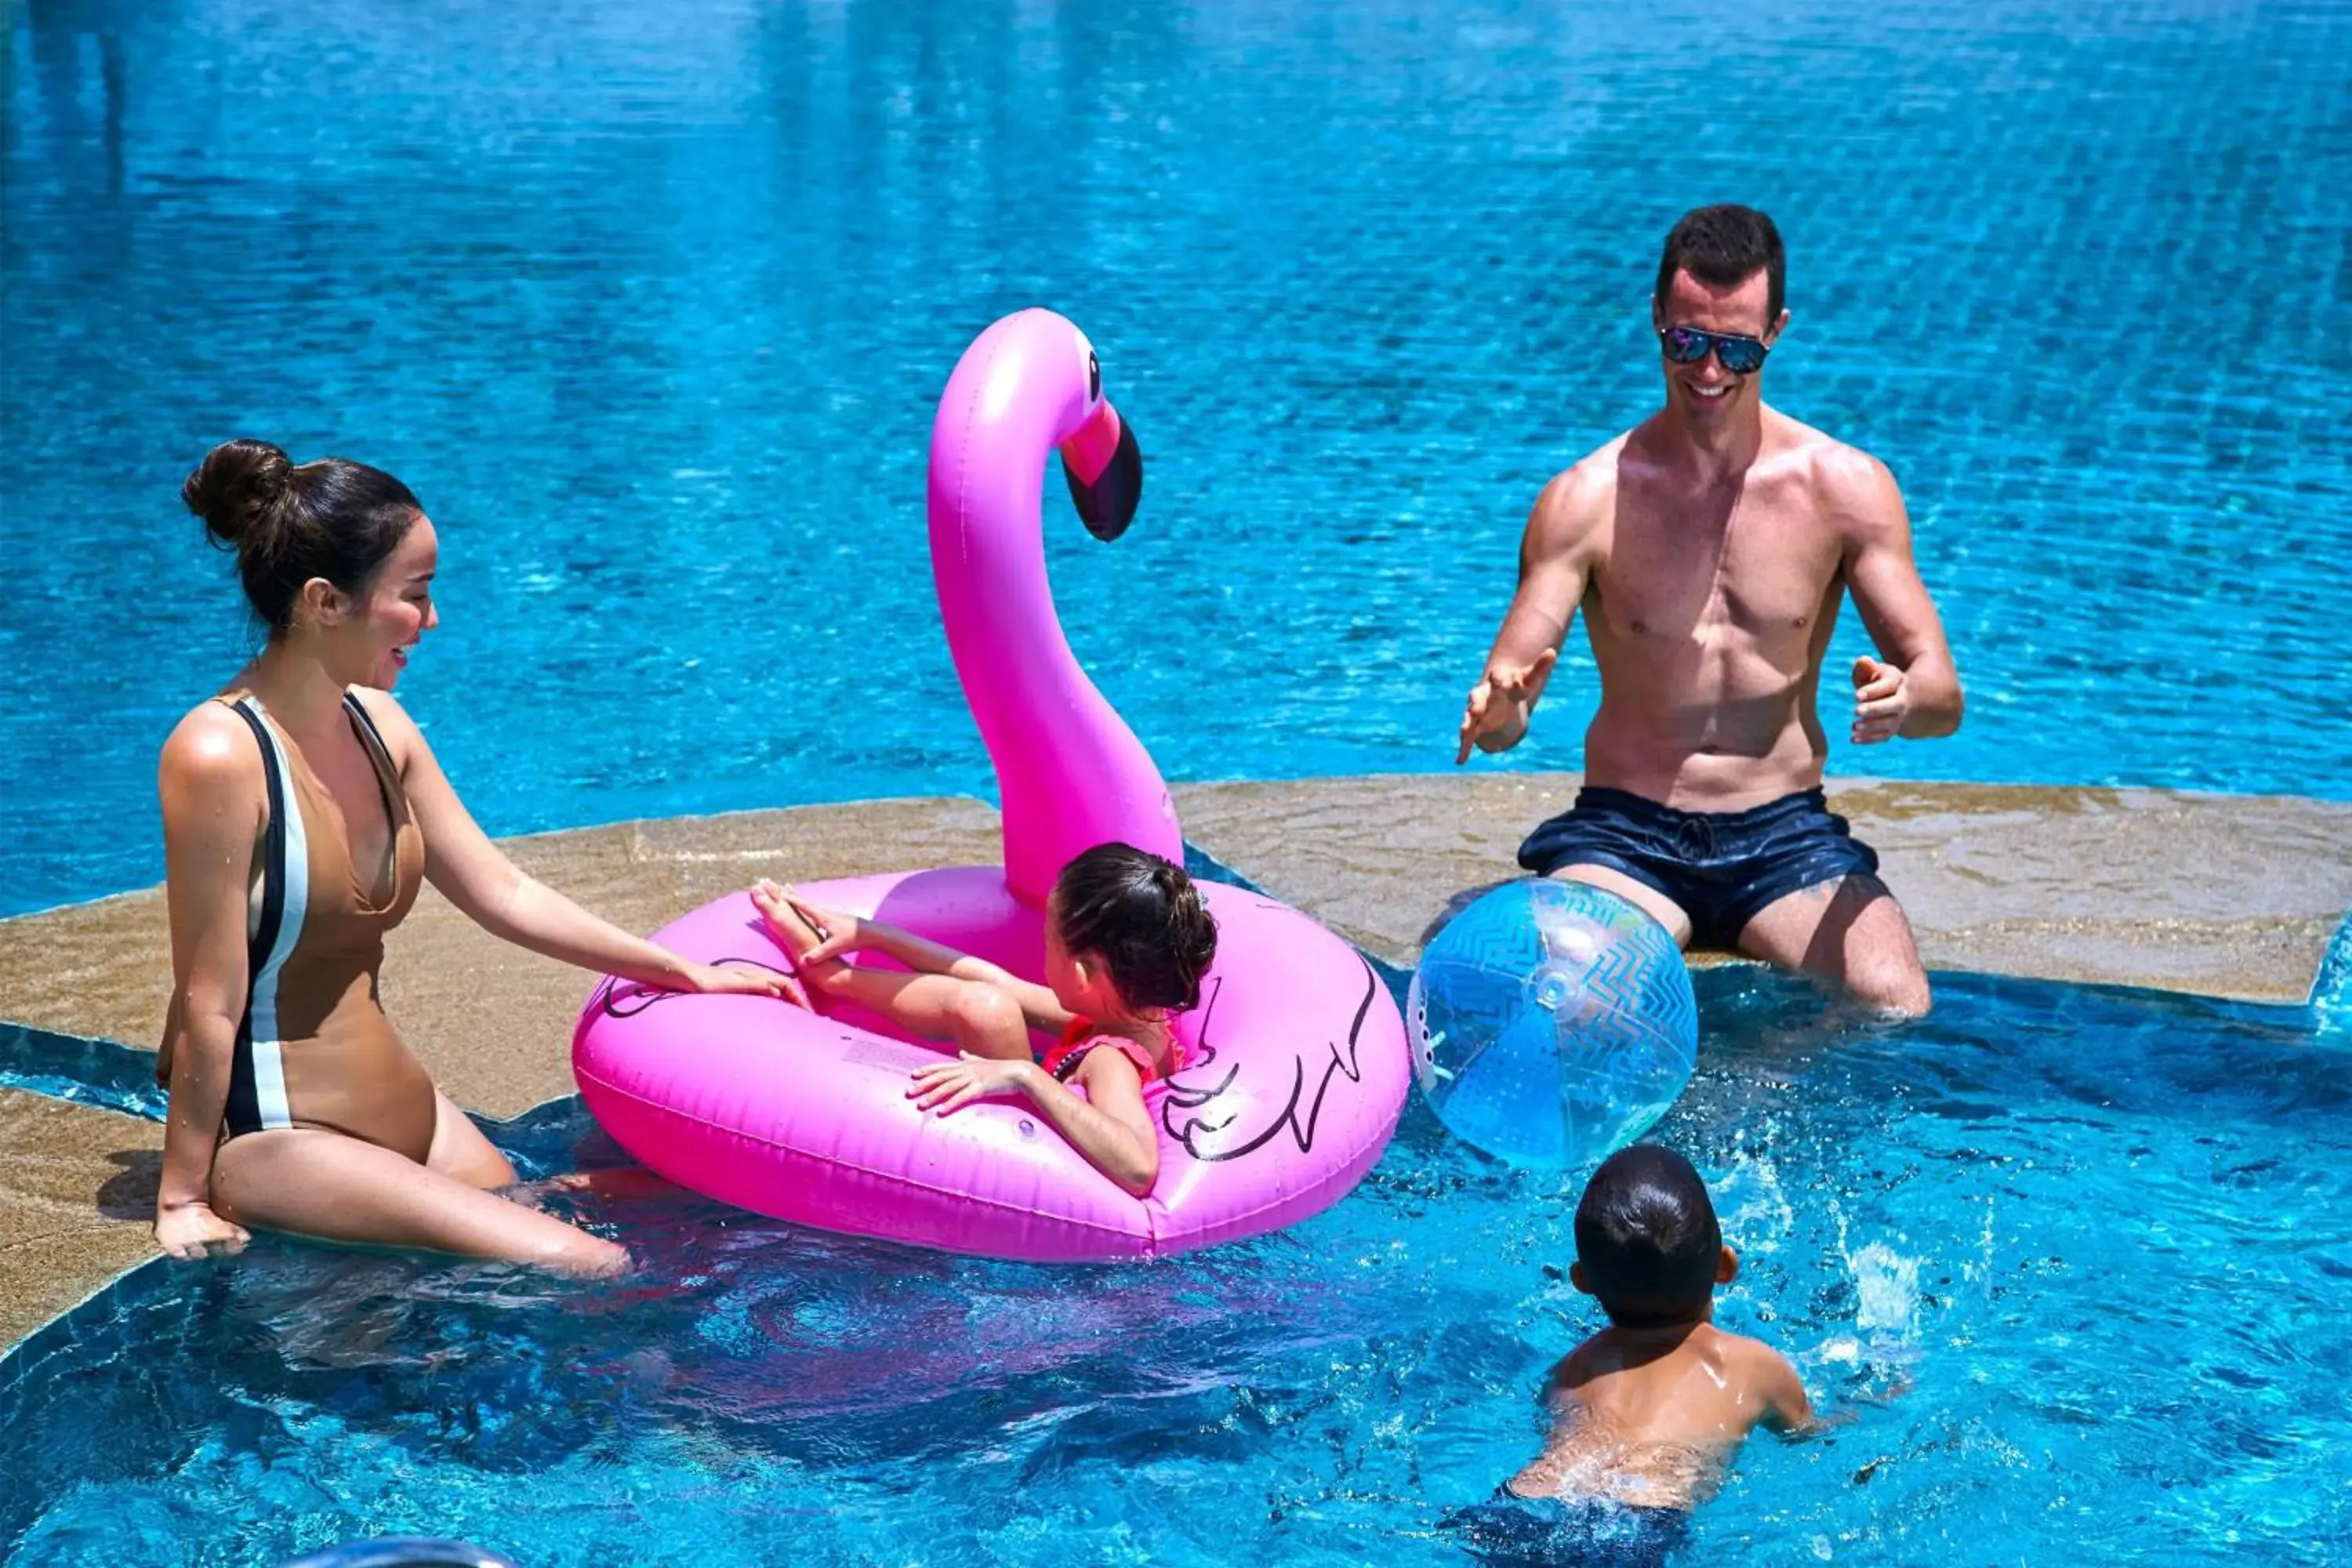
[[1105, 469]]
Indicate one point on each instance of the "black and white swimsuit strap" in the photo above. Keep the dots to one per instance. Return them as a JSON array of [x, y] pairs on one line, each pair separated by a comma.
[[257, 1094]]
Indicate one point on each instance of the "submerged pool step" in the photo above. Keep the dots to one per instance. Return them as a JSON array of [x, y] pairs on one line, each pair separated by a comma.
[[403, 1552]]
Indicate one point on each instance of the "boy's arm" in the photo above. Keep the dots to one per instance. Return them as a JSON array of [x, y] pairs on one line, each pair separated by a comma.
[[1786, 1407]]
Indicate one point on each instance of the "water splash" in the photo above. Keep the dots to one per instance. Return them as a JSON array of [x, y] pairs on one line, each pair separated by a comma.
[[1886, 1285], [2331, 993]]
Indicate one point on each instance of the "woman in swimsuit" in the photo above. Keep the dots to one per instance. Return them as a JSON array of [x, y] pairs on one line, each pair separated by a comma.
[[301, 809]]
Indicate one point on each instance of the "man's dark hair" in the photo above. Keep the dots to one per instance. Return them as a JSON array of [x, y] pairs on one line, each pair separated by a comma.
[[1721, 245], [1647, 1236]]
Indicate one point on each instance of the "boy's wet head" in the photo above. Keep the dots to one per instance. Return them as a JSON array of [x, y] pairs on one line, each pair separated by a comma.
[[1647, 1244]]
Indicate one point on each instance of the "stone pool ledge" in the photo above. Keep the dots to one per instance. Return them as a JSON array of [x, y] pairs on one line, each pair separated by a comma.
[[77, 1199], [2224, 896]]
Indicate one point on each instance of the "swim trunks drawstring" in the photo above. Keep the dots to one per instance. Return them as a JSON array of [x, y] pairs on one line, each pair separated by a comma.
[[1694, 838]]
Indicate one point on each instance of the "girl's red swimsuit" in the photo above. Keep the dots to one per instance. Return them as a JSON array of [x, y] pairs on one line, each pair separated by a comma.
[[1063, 1057]]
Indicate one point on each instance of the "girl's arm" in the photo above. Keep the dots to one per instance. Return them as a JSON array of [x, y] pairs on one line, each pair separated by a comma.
[[212, 789], [495, 894], [1110, 1127]]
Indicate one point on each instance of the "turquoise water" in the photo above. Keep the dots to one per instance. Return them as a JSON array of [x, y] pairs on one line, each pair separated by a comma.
[[651, 304], [2076, 1260]]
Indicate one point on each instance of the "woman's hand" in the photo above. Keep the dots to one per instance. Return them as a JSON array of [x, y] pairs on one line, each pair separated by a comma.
[[191, 1230], [812, 933], [951, 1086], [714, 980]]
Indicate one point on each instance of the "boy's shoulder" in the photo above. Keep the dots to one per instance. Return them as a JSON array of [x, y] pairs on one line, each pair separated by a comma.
[[1741, 1356], [1736, 1355], [1587, 1361], [1760, 1368], [1733, 1344]]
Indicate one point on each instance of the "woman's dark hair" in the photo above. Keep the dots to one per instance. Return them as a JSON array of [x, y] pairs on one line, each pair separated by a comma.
[[331, 518], [1722, 246], [1143, 917]]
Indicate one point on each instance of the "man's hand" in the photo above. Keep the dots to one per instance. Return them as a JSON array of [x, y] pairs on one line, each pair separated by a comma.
[[1496, 718], [1882, 701]]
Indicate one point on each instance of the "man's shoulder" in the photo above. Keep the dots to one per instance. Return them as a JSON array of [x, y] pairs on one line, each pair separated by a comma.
[[1833, 470], [1583, 492], [1844, 487]]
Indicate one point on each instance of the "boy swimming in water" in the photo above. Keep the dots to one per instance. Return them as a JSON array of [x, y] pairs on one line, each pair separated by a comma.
[[1647, 1413]]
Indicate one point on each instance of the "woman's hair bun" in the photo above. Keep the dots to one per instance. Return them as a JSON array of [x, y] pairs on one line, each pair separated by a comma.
[[238, 490]]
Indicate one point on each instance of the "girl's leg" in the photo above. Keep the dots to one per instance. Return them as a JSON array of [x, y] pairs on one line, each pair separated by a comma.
[[974, 1014], [316, 1183]]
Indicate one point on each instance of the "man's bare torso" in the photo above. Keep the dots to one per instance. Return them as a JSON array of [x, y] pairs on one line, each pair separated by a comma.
[[1709, 609]]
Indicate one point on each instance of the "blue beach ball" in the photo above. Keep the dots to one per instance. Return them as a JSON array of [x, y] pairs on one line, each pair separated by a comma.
[[1552, 1024]]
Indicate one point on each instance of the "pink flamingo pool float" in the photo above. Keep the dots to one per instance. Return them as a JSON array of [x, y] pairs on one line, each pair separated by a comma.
[[1296, 1063]]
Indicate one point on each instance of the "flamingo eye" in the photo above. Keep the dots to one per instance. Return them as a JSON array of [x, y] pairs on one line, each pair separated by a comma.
[[1094, 377]]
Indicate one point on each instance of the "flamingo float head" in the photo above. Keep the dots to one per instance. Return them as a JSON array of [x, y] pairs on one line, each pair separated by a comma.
[[1070, 772]]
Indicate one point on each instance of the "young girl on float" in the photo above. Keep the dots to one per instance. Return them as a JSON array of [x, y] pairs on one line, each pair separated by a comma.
[[1126, 941]]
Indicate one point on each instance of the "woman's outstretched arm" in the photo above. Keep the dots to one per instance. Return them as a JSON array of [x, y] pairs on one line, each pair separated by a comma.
[[496, 894]]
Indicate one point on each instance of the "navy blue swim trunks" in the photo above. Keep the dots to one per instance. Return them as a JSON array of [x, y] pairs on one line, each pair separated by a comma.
[[1508, 1530], [1721, 867]]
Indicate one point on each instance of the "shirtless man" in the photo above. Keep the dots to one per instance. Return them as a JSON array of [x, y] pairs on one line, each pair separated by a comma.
[[1707, 548]]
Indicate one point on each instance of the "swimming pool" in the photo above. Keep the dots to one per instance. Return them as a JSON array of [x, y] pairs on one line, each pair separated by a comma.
[[2088, 1247], [655, 322]]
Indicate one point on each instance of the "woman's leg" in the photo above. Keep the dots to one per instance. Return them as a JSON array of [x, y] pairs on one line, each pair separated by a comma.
[[460, 1152], [316, 1183], [974, 1014]]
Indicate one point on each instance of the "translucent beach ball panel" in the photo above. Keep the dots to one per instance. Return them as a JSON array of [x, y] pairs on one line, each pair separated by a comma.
[[1553, 1023]]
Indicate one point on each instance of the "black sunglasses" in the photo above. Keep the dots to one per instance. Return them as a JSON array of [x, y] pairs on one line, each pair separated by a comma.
[[1688, 345]]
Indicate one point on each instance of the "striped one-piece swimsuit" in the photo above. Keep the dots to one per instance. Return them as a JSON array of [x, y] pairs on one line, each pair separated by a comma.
[[314, 1048]]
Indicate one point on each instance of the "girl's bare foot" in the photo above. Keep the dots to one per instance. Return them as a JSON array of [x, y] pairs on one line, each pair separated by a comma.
[[775, 907]]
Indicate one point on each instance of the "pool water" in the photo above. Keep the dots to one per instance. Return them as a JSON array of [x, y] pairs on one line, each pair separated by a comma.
[[651, 305], [2075, 1259]]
